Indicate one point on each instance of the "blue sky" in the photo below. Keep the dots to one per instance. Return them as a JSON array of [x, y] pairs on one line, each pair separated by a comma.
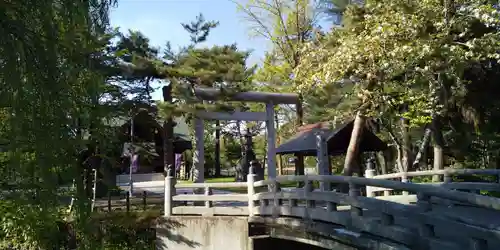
[[160, 20]]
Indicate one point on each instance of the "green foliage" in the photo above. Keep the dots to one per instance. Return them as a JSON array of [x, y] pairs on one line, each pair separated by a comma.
[[412, 61], [396, 51], [134, 48], [121, 230], [199, 29], [230, 151], [23, 226], [222, 67]]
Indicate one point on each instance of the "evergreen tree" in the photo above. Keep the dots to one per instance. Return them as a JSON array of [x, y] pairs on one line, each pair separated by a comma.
[[221, 67], [135, 49]]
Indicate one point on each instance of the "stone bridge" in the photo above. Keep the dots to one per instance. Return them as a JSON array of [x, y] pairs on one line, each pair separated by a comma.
[[379, 212]]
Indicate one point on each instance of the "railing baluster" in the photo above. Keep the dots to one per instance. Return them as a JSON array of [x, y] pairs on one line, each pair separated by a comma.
[[327, 186], [331, 206], [264, 202], [276, 201], [424, 203], [208, 192], [404, 179], [354, 192], [308, 188], [251, 193], [478, 244], [447, 178], [387, 219], [277, 189], [370, 173]]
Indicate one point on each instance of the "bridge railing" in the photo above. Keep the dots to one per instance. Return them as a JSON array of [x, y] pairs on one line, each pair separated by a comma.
[[378, 217], [203, 200], [447, 177], [203, 192], [364, 214]]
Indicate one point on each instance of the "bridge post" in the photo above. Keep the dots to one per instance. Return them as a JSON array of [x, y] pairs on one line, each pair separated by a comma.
[[404, 179], [370, 173], [169, 193], [251, 191]]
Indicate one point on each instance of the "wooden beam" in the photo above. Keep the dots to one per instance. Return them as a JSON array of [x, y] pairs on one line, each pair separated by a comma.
[[234, 116], [211, 94], [307, 127]]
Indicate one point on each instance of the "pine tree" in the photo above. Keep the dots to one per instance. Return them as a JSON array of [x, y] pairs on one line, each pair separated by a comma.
[[220, 67]]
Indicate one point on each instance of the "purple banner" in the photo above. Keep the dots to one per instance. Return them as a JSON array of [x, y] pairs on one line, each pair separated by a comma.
[[135, 163]]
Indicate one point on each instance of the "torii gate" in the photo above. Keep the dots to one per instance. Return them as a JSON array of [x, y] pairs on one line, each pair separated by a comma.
[[270, 99]]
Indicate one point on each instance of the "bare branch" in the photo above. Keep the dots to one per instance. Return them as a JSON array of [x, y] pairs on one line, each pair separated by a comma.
[[266, 31]]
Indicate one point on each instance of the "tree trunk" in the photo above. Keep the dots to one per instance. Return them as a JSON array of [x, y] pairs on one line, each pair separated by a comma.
[[168, 138], [438, 149], [422, 149], [406, 145], [217, 148], [350, 163], [381, 162], [80, 197]]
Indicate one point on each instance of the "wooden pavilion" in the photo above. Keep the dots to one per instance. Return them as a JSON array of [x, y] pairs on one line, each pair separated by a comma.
[[336, 139]]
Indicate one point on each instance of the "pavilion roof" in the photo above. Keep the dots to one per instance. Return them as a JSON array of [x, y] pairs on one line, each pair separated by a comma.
[[338, 139]]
